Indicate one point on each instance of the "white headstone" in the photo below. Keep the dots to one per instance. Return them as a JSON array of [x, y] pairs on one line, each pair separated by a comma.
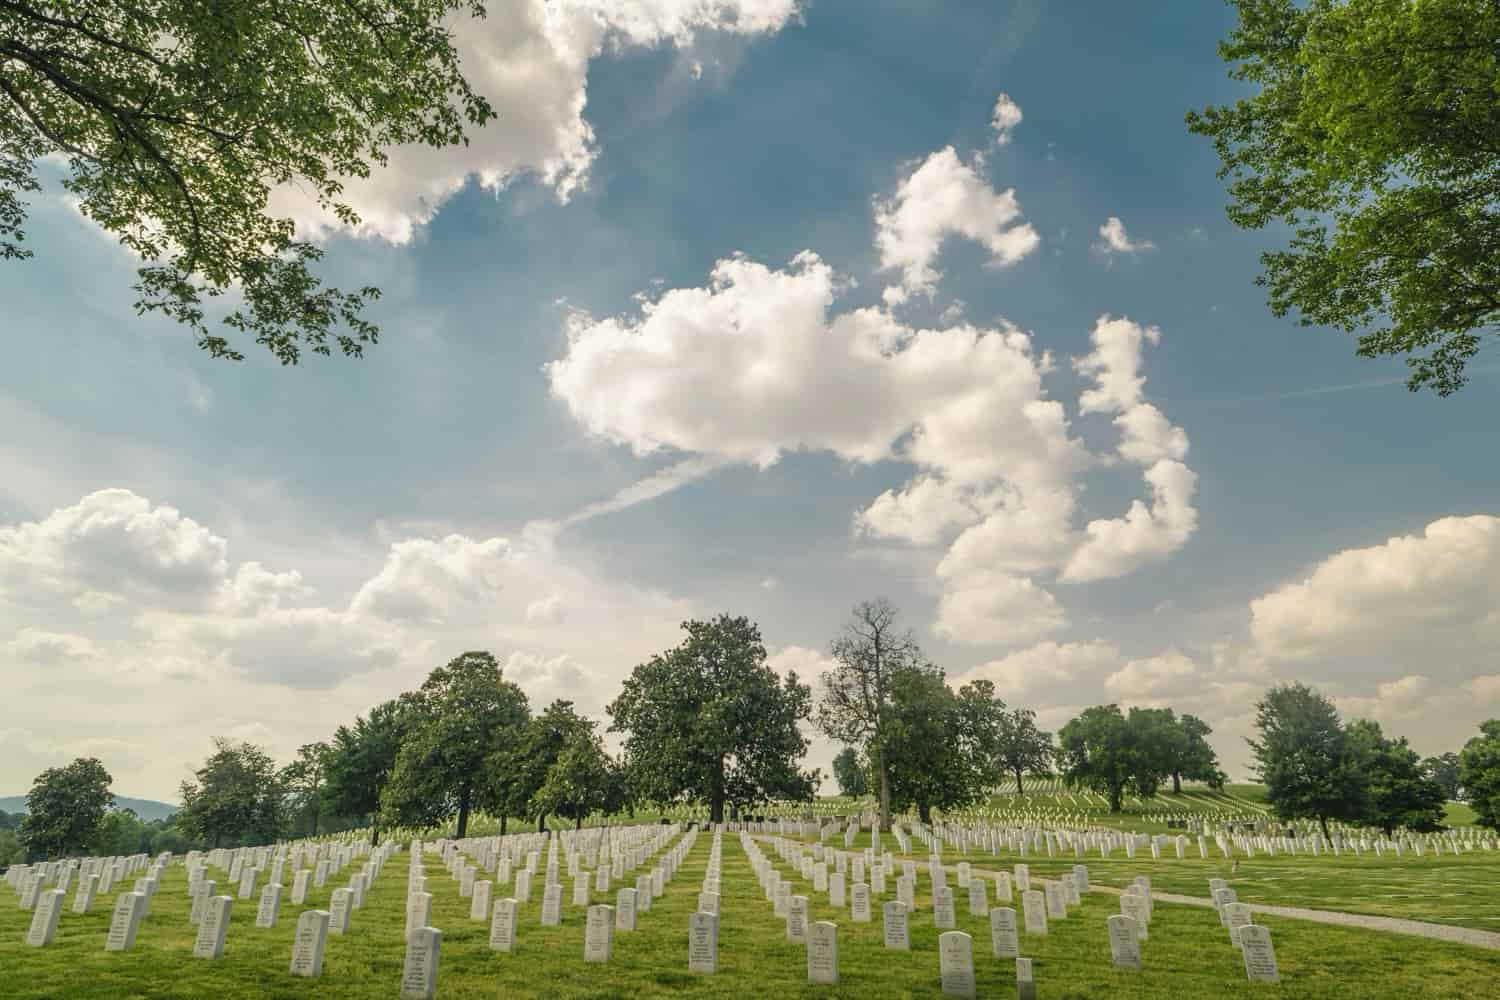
[[796, 919], [956, 963], [897, 933], [859, 903], [419, 972], [338, 911], [1025, 982], [479, 900], [552, 905], [124, 919], [307, 946], [1124, 942], [83, 899], [1236, 916], [503, 925], [44, 918], [625, 901], [1034, 908], [1005, 942], [418, 912], [211, 930], [823, 953], [1260, 956], [270, 906], [703, 942], [299, 890], [598, 933]]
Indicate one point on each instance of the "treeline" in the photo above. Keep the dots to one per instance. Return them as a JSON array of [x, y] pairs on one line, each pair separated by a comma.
[[710, 722]]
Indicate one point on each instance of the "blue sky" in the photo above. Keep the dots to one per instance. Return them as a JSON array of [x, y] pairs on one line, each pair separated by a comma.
[[1326, 524]]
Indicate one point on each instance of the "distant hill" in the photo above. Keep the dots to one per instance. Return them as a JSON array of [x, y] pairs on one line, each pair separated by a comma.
[[146, 809]]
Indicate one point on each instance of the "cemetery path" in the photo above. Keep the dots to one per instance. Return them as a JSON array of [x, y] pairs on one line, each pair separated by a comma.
[[1395, 925]]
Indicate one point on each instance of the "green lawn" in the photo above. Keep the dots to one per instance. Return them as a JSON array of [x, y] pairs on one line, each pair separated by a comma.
[[1188, 954]]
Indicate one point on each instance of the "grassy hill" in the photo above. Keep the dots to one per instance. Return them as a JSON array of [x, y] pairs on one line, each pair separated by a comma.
[[146, 809]]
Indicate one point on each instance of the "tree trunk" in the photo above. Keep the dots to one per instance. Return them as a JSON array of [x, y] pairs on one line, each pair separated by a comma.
[[502, 822], [541, 822], [885, 793], [1114, 798], [716, 805], [924, 812], [1323, 822], [1176, 782], [578, 822], [374, 834], [1019, 789], [463, 814]]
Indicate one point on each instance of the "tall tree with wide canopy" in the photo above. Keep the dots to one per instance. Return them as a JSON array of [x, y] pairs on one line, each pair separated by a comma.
[[361, 758], [856, 696], [469, 711], [1372, 135], [303, 780], [65, 808], [929, 741], [177, 119], [851, 773], [1479, 773], [238, 797], [520, 766], [1108, 753], [1444, 770], [1400, 794], [1022, 748], [1310, 766], [709, 721], [581, 780]]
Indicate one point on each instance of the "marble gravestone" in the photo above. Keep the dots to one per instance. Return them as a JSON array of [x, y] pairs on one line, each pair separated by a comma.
[[1005, 942], [124, 920], [419, 971], [1034, 908], [823, 953], [1025, 981], [338, 911], [307, 946], [625, 910], [897, 932], [956, 964], [703, 943], [211, 929], [1124, 942], [479, 899], [859, 903], [44, 918], [503, 926], [1260, 956], [598, 933], [270, 906]]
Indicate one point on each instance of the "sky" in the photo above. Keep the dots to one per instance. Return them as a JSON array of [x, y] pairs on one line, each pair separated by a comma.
[[763, 307]]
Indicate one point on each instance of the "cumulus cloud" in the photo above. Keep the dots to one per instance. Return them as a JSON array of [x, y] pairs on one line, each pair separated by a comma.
[[1049, 668], [1152, 676], [1005, 118], [1113, 239], [946, 197], [758, 364], [530, 59]]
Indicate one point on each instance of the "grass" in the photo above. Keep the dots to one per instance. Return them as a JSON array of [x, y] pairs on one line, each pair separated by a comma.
[[1188, 954]]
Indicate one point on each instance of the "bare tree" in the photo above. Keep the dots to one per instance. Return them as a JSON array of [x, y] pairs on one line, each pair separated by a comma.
[[856, 699]]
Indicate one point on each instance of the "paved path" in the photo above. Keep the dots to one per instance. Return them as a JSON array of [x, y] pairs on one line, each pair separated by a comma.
[[1395, 925]]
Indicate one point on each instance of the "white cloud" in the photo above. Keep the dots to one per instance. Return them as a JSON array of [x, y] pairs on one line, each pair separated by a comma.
[[946, 197], [1152, 676], [1113, 239], [1051, 667], [41, 648], [530, 59], [1005, 118], [989, 608]]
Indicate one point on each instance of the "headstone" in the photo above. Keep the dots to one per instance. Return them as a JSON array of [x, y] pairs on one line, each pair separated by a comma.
[[859, 903], [1025, 981], [836, 890], [1057, 900], [1023, 877], [338, 911], [1003, 891], [598, 933], [270, 906], [944, 915], [897, 933], [1124, 942], [625, 901], [703, 943], [210, 940], [299, 890], [418, 912], [201, 896], [479, 900], [1260, 956], [247, 882], [552, 905], [44, 918], [307, 946], [83, 899], [503, 926], [1005, 942], [979, 903], [419, 972], [796, 920], [1034, 908], [1236, 916], [956, 964], [823, 953], [124, 919]]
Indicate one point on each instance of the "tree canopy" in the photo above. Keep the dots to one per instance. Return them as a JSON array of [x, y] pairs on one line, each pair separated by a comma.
[[1444, 771], [851, 773], [1023, 748], [856, 697], [176, 121], [237, 797], [1479, 773], [1310, 765], [928, 739], [709, 720], [1109, 753], [361, 758], [64, 808], [1374, 135], [1399, 793]]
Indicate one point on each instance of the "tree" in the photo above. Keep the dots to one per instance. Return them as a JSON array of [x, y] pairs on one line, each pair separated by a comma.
[[851, 774], [237, 798], [1022, 747], [1109, 753], [1479, 774], [468, 711], [856, 693], [64, 808], [1191, 757], [303, 780], [1310, 766], [1372, 136], [1399, 793], [709, 721], [177, 120], [520, 766], [580, 781], [929, 743], [1443, 770], [361, 758]]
